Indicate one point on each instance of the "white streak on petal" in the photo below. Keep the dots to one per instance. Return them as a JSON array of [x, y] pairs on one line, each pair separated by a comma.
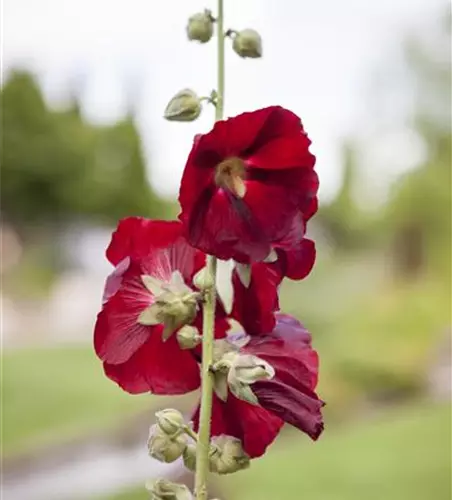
[[244, 272], [224, 283], [271, 257]]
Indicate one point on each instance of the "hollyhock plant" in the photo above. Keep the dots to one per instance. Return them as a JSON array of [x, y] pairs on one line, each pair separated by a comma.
[[244, 184], [149, 300], [247, 194], [263, 382]]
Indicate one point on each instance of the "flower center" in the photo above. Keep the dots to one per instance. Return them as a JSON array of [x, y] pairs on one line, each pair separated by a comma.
[[175, 304], [230, 175]]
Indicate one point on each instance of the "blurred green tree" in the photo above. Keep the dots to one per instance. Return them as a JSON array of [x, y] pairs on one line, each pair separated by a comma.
[[57, 168]]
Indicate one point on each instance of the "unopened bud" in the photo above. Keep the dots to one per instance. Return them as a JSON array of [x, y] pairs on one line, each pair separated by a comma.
[[163, 447], [161, 489], [188, 337], [200, 26], [170, 421], [203, 279], [185, 106], [228, 456], [189, 457], [248, 43]]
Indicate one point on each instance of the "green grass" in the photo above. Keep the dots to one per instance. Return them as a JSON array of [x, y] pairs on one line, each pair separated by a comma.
[[404, 455], [55, 393]]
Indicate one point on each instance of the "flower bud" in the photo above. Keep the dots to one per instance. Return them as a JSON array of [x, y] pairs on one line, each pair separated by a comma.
[[248, 43], [188, 337], [170, 421], [163, 447], [161, 489], [200, 26], [189, 457], [203, 279], [185, 106], [228, 456]]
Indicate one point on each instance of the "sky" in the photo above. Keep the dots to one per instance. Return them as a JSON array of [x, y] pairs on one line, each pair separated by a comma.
[[319, 60]]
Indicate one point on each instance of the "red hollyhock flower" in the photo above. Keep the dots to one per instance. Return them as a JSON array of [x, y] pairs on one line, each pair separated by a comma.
[[147, 299], [271, 381], [245, 182]]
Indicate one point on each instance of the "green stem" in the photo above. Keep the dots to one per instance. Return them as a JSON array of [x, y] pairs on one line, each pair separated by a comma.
[[203, 446]]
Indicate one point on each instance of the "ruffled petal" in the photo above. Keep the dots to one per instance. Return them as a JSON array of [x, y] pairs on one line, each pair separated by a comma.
[[136, 237], [290, 394], [235, 136], [157, 367], [253, 425]]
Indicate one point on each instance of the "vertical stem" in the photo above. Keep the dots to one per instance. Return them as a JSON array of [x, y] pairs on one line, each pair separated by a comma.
[[220, 54], [203, 446]]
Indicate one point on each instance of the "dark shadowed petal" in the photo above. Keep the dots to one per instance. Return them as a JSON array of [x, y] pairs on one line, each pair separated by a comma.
[[290, 394], [234, 136], [224, 226], [136, 237], [300, 408], [283, 153], [280, 123], [254, 426], [254, 306], [158, 367]]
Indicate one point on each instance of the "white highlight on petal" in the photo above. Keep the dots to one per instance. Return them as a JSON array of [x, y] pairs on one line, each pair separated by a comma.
[[244, 272], [224, 286]]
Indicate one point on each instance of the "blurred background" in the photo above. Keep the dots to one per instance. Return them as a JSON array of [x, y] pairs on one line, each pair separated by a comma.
[[84, 86]]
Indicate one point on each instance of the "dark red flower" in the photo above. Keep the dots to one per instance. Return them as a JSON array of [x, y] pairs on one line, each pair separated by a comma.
[[245, 182], [148, 297], [287, 396]]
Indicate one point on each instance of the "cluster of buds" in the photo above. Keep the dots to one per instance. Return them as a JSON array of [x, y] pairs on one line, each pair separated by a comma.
[[169, 440], [186, 105], [161, 489]]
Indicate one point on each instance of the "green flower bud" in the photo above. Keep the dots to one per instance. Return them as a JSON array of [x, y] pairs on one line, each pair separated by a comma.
[[248, 43], [170, 421], [161, 489], [188, 337], [163, 447], [200, 26], [185, 106], [189, 457], [228, 455]]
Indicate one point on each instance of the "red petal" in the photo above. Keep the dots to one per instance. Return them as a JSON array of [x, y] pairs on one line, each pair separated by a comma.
[[290, 394], [136, 237], [298, 262], [236, 135], [224, 226], [254, 426], [117, 335], [282, 153], [254, 306], [158, 367], [300, 408]]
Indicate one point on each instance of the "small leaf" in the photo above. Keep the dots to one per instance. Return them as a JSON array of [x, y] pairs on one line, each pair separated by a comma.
[[150, 316], [224, 283]]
